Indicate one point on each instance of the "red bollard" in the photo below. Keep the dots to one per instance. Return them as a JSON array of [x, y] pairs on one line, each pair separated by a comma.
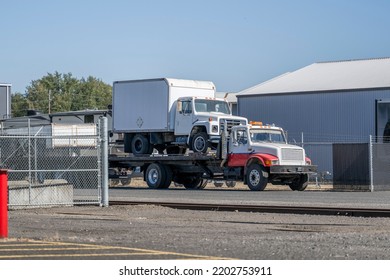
[[3, 203]]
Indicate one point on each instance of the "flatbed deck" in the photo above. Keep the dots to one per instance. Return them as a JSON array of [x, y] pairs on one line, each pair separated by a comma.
[[189, 163]]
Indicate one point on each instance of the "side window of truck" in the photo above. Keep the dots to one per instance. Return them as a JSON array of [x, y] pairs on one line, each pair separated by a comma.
[[186, 107], [242, 138]]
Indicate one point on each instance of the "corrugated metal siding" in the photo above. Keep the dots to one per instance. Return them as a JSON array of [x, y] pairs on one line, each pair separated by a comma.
[[339, 115], [323, 118]]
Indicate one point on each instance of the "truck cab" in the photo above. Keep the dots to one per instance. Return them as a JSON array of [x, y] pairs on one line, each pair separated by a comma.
[[201, 120], [262, 155]]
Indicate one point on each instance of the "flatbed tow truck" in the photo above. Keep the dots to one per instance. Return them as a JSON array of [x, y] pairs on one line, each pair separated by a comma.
[[254, 154]]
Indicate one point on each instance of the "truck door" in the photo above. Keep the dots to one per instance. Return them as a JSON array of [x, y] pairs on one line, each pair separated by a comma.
[[183, 119], [239, 148]]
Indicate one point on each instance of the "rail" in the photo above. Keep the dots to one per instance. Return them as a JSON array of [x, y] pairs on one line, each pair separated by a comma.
[[332, 211]]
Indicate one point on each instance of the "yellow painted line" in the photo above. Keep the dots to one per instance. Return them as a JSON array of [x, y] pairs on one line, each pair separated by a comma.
[[25, 245], [150, 251], [136, 251], [73, 255], [50, 249]]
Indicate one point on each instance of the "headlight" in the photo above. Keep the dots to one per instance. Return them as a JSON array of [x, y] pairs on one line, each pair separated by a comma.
[[271, 162], [214, 128]]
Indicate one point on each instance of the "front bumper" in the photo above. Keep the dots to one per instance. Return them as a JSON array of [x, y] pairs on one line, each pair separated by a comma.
[[214, 139], [293, 169]]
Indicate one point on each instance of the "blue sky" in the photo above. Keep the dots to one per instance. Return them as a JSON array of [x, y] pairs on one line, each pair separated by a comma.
[[235, 44]]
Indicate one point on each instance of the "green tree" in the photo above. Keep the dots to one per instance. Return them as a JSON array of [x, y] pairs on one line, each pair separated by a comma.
[[52, 93], [62, 92], [92, 93], [19, 104]]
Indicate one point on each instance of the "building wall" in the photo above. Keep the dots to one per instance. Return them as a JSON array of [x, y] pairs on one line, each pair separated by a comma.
[[321, 116], [5, 102], [321, 119]]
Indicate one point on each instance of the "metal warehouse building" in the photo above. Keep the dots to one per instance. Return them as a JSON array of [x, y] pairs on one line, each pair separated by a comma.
[[5, 101], [325, 104]]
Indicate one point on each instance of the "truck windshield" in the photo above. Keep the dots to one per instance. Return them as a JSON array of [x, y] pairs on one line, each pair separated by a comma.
[[267, 135], [208, 105]]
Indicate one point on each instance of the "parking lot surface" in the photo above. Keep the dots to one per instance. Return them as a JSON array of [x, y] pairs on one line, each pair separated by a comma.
[[155, 232]]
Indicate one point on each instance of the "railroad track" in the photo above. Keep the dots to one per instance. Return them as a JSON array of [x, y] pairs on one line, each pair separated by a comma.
[[332, 211]]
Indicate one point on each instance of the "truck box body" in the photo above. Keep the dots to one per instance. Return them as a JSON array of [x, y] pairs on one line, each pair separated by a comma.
[[149, 105]]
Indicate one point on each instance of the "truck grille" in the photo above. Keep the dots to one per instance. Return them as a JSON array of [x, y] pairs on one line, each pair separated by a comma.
[[230, 124], [292, 154]]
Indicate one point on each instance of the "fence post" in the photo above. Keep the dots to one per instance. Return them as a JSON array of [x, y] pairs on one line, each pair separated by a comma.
[[103, 135], [3, 203], [371, 166]]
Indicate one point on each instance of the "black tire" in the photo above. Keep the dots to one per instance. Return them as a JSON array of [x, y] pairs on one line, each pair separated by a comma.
[[140, 145], [202, 184], [168, 177], [218, 184], [199, 142], [231, 184], [191, 182], [155, 176], [114, 182], [125, 182], [300, 183], [255, 177]]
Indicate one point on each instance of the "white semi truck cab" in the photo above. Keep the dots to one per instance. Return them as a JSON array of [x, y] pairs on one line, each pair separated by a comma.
[[262, 154]]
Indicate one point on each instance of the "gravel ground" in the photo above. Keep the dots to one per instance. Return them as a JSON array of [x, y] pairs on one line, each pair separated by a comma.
[[221, 234]]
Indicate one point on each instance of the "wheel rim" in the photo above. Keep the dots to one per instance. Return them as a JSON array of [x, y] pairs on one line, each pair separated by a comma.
[[199, 144], [153, 176], [254, 177], [138, 145]]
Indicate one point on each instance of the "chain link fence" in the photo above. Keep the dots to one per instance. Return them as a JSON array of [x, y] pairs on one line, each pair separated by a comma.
[[53, 165], [345, 162], [380, 163]]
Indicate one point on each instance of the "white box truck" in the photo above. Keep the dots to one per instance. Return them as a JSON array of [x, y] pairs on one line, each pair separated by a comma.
[[169, 114]]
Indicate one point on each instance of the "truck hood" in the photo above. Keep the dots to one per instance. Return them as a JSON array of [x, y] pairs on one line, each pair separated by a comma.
[[287, 154], [219, 116]]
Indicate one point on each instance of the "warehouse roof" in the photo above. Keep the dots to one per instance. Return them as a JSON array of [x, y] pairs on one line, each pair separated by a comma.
[[329, 76], [229, 96]]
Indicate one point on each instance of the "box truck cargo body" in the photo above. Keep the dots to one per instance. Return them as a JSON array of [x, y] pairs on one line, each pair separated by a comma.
[[148, 105], [168, 113]]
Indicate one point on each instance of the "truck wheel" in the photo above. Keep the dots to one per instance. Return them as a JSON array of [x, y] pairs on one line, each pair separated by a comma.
[[125, 182], [230, 184], [194, 183], [140, 145], [155, 176], [114, 182], [202, 184], [218, 184], [168, 176], [300, 183], [199, 142], [255, 177]]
